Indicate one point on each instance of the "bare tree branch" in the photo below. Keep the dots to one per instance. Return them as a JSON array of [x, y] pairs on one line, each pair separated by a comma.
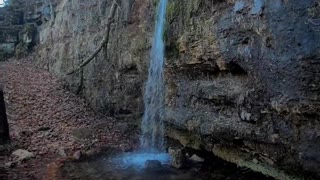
[[104, 41], [315, 22]]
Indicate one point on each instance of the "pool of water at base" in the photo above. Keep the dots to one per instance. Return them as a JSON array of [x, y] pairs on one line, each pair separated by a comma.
[[131, 166]]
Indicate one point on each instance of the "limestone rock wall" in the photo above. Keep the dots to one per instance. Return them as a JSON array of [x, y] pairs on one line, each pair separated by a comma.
[[113, 82], [245, 74]]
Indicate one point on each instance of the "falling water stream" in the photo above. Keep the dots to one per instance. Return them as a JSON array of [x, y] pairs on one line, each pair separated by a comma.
[[152, 123], [152, 137]]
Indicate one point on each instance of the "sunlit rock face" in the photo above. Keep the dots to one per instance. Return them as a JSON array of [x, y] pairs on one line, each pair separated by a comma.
[[240, 74]]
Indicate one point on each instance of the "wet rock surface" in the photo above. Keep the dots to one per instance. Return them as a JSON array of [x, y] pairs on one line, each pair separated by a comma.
[[153, 165]]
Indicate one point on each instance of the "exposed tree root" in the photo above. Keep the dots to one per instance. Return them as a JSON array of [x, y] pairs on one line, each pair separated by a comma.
[[104, 41]]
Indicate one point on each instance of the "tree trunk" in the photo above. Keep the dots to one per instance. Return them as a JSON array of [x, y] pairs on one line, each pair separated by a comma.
[[4, 127]]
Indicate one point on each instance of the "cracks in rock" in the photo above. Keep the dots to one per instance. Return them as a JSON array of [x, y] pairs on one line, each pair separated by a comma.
[[104, 41], [208, 71]]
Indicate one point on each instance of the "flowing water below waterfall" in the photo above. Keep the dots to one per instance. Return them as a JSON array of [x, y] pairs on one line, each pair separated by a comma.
[[131, 166]]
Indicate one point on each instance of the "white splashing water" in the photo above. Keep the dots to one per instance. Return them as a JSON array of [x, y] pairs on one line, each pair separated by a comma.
[[152, 138], [137, 160]]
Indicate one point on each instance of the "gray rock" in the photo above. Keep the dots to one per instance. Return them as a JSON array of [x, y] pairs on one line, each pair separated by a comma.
[[125, 147], [62, 152], [196, 158], [178, 158], [123, 127], [22, 155], [245, 116], [153, 165], [10, 164], [82, 133], [77, 155]]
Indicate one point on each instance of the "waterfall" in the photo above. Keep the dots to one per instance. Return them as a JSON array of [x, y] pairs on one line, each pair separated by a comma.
[[152, 127]]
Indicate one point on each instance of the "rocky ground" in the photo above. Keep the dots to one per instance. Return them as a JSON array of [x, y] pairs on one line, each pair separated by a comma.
[[47, 123]]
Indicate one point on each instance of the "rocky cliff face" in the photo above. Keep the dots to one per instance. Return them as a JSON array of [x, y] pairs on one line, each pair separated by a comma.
[[242, 75], [8, 34], [18, 27], [245, 74], [113, 81]]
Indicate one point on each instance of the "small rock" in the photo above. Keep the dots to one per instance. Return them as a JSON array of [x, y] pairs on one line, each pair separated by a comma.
[[196, 158], [83, 133], [22, 154], [10, 164], [245, 116], [274, 137], [268, 160], [125, 148], [62, 152], [77, 155], [91, 152], [44, 129], [153, 164], [178, 159], [123, 127]]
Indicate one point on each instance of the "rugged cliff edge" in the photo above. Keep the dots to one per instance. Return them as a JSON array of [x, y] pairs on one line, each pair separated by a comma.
[[242, 76]]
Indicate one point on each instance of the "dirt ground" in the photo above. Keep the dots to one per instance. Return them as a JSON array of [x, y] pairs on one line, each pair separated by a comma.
[[52, 123]]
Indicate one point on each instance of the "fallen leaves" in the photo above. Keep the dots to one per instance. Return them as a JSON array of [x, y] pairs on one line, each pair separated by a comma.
[[44, 118]]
